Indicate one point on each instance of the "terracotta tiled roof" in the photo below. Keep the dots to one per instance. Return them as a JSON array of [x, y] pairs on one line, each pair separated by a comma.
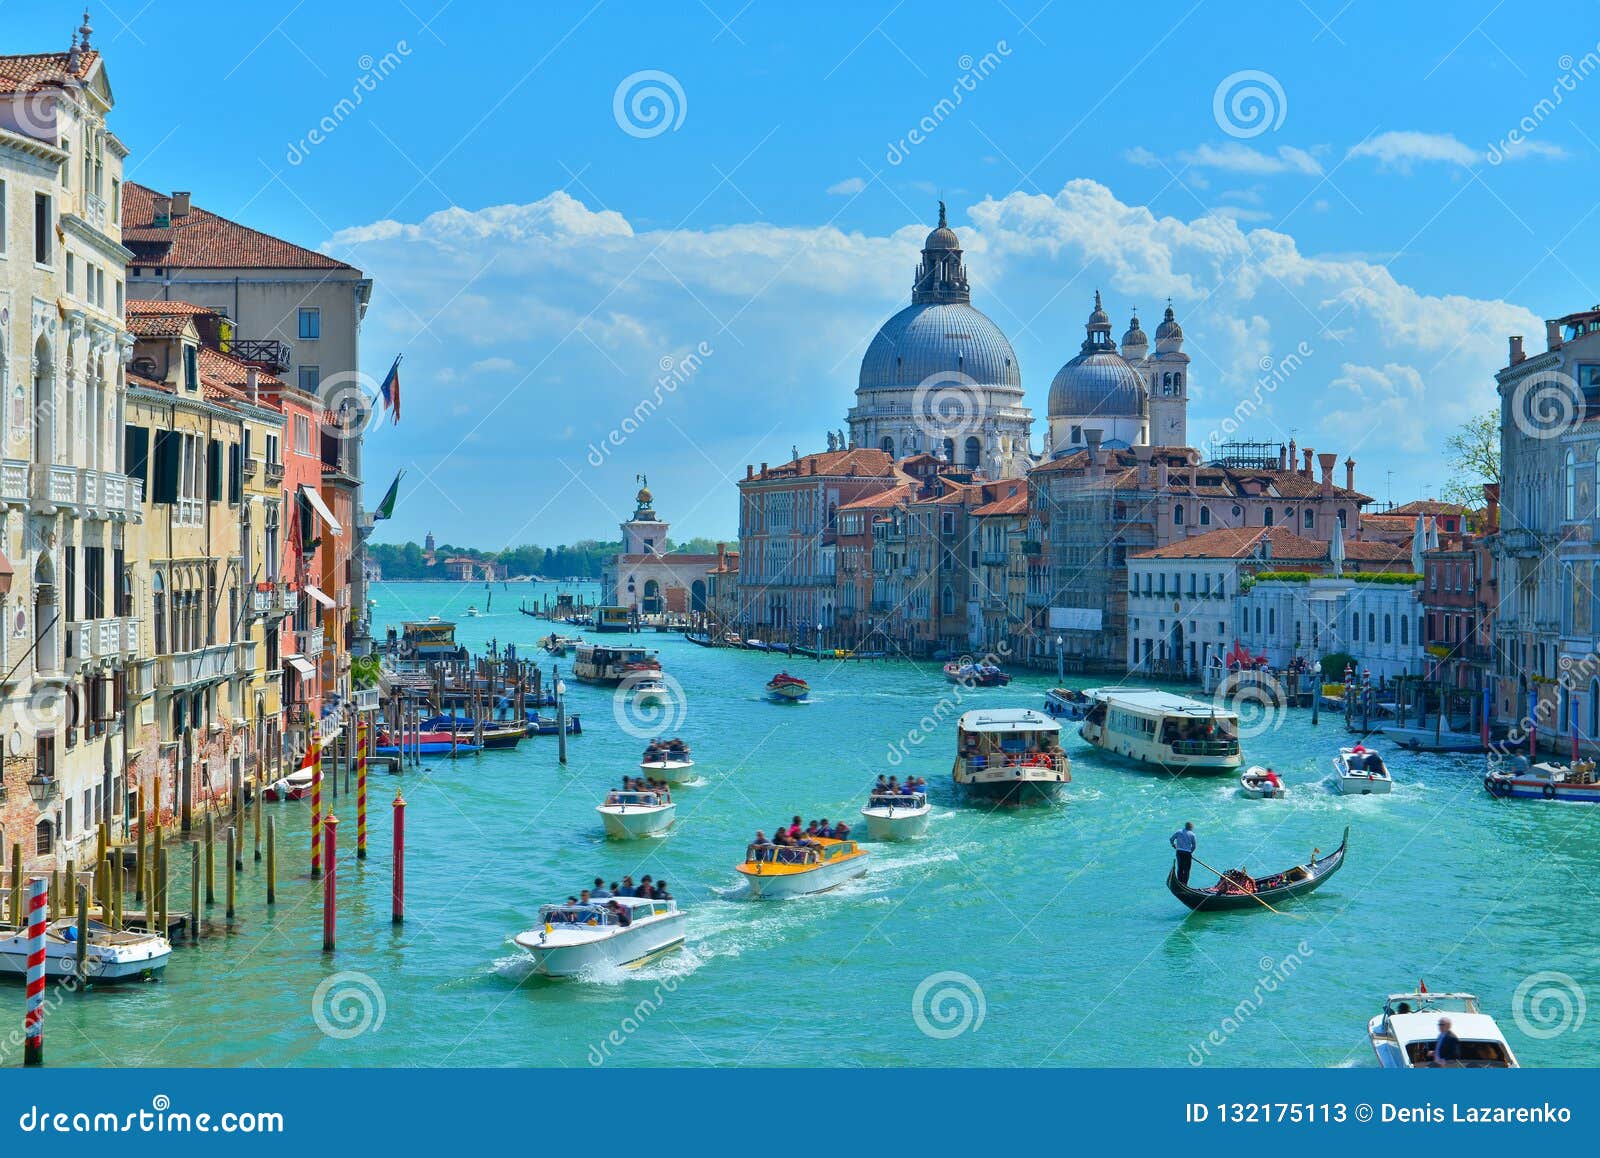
[[1428, 507], [152, 325], [1240, 543], [1363, 551], [36, 70], [163, 306], [883, 499], [867, 462], [148, 383], [202, 240], [225, 378], [1016, 504]]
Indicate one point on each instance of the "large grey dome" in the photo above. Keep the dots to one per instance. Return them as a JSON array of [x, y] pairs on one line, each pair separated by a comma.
[[1097, 385], [922, 341]]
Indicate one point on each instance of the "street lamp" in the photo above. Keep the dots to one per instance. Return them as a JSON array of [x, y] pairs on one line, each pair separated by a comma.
[[1061, 661], [41, 788], [561, 719], [819, 643]]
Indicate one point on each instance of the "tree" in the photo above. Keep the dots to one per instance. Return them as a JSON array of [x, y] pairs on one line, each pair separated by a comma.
[[1473, 454]]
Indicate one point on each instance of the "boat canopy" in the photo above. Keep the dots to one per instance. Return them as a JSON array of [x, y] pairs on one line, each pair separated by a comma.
[[1007, 720], [641, 799], [1147, 700], [897, 800]]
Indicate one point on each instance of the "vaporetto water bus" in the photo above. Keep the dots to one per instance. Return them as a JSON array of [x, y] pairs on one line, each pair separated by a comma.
[[616, 931], [1162, 730], [604, 664], [1575, 783], [1010, 756]]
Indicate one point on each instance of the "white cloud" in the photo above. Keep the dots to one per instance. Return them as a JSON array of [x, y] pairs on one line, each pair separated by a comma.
[[1237, 157], [847, 187], [589, 311], [1402, 149], [492, 365]]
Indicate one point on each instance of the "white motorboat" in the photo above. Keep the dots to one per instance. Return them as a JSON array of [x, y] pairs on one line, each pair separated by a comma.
[[1254, 783], [646, 689], [667, 760], [791, 871], [1404, 1034], [1170, 732], [111, 956], [1361, 772], [1066, 703], [473, 612], [615, 931], [630, 815], [897, 815]]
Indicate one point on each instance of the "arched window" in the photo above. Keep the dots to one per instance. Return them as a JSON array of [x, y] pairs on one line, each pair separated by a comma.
[[1388, 629], [888, 446], [43, 838], [947, 602], [1355, 628], [1570, 481], [1596, 473], [1177, 514], [1205, 516], [1372, 627], [1310, 518], [1266, 516], [1405, 630], [1342, 523], [158, 617], [950, 451], [974, 453]]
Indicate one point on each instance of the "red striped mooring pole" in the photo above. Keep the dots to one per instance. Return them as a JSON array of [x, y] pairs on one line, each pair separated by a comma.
[[33, 1020], [361, 790], [330, 896], [399, 859], [316, 808]]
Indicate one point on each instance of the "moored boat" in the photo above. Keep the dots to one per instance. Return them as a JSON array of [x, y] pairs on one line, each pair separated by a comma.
[[112, 955], [1010, 756], [1162, 730], [1360, 771], [666, 760], [1403, 1036], [559, 645], [1573, 783], [616, 931], [784, 688], [1066, 703], [539, 725], [1256, 783], [897, 815], [1237, 889], [629, 815], [791, 871]]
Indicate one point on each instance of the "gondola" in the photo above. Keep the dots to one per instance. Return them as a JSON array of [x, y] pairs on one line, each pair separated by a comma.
[[1275, 887]]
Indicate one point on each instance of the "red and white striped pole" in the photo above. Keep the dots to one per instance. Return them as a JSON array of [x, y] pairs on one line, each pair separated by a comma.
[[316, 808], [330, 894], [33, 1021]]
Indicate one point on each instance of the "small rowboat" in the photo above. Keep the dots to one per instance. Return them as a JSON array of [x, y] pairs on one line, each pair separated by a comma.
[[784, 688], [1283, 886], [1361, 772], [295, 786], [1255, 785]]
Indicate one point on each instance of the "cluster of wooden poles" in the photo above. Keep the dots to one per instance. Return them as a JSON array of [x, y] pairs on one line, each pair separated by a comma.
[[101, 890]]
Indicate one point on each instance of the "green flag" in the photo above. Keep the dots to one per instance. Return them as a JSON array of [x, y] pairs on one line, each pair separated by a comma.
[[386, 507]]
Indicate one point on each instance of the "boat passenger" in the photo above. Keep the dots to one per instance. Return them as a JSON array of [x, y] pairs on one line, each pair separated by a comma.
[[621, 913], [599, 892], [796, 828], [583, 897], [1271, 779], [661, 891], [1403, 1007], [628, 888], [841, 831], [882, 785], [1447, 1046], [811, 829]]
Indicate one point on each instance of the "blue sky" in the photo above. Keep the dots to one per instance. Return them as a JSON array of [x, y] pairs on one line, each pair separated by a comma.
[[539, 264]]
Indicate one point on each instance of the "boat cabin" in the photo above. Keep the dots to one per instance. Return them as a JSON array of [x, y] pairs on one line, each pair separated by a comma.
[[1410, 1027], [600, 913], [630, 799], [612, 619], [431, 638], [897, 800], [799, 856], [1009, 737]]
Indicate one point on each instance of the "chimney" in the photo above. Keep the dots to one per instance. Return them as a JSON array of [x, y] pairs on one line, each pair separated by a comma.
[[1309, 453], [1266, 543], [763, 468], [252, 384], [749, 471], [1516, 349], [161, 212], [180, 203], [1283, 457], [1294, 457], [1142, 454], [1161, 475], [1349, 474], [1491, 513], [1327, 462], [1552, 335], [1092, 436]]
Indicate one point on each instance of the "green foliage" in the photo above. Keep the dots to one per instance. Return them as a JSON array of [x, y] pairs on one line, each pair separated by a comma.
[[364, 671], [1283, 576], [1333, 665], [582, 559], [1473, 455], [1398, 577]]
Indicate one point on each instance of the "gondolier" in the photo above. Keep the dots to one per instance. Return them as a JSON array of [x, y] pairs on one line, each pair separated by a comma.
[[1183, 840]]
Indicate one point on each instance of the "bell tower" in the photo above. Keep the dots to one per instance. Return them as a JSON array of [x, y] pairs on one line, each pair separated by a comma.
[[1167, 371], [644, 534]]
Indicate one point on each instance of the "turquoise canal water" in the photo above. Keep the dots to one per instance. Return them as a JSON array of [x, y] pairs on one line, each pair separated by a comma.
[[1058, 918]]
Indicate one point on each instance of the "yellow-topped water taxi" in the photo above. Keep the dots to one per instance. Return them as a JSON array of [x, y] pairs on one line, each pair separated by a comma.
[[777, 870]]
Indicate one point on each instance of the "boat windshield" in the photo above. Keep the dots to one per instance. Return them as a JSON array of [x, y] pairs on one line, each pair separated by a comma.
[[897, 800], [576, 915], [640, 799]]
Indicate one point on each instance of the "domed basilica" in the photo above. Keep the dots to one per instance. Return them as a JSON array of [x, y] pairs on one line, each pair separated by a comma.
[[941, 378]]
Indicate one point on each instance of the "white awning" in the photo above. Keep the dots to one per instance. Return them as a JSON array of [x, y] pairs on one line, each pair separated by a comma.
[[301, 665], [321, 508], [320, 596]]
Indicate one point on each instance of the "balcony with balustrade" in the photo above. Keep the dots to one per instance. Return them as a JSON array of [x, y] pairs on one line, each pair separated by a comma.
[[310, 643], [50, 487], [111, 640], [204, 665]]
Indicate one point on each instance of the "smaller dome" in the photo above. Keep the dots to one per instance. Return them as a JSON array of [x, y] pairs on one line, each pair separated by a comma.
[[1098, 385], [1099, 319], [942, 237], [1135, 337], [1169, 329]]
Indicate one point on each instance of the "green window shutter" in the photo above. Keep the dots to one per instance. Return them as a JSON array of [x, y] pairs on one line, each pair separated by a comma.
[[214, 471], [164, 470]]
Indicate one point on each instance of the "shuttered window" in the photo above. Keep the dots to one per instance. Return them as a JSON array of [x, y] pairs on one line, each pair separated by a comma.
[[214, 471], [136, 453], [164, 467]]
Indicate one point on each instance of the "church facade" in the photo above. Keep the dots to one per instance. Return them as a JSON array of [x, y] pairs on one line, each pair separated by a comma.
[[644, 576]]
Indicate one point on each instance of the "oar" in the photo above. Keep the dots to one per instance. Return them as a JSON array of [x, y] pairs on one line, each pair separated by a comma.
[[1252, 896]]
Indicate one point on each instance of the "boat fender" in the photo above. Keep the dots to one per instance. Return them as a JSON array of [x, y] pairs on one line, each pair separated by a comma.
[[1549, 791]]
